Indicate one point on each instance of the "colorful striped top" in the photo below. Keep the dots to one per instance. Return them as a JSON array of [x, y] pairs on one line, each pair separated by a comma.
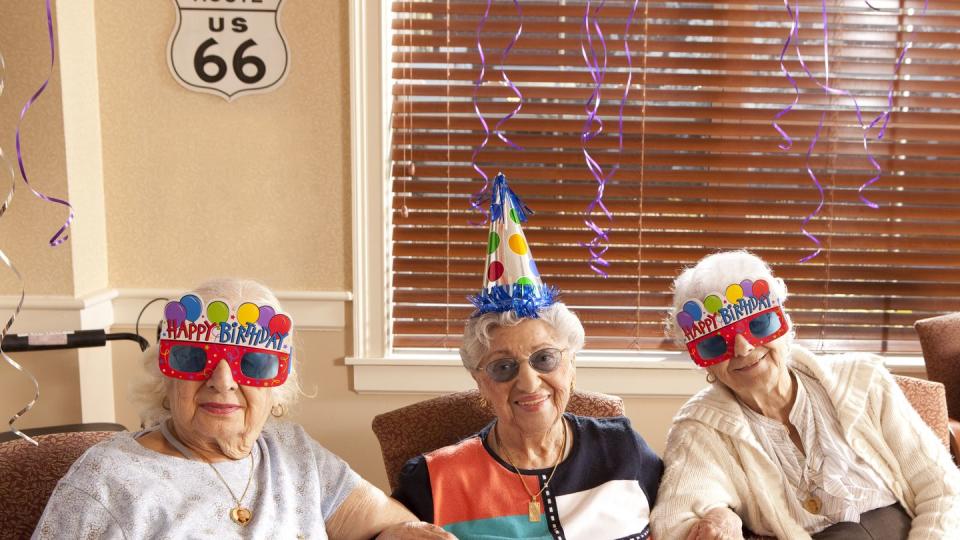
[[604, 489]]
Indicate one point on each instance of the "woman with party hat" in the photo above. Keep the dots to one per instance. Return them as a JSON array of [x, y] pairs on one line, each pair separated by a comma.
[[535, 471]]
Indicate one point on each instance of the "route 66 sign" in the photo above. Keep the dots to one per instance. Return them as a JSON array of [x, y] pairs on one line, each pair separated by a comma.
[[228, 47]]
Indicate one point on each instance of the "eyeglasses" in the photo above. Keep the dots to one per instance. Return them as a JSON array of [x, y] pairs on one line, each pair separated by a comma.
[[757, 329], [506, 369], [250, 366]]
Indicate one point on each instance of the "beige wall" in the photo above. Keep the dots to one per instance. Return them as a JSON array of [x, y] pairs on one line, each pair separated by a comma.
[[59, 402], [196, 186], [30, 222]]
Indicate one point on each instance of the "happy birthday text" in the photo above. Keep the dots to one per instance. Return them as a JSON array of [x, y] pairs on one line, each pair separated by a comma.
[[250, 335]]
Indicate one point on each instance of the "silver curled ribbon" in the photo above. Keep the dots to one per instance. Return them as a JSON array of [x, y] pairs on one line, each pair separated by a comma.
[[5, 165]]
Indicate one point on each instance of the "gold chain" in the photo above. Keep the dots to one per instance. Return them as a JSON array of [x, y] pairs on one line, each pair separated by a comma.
[[249, 481], [506, 454], [240, 515]]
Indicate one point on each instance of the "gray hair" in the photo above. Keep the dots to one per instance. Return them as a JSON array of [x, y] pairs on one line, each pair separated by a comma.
[[476, 334], [150, 389], [713, 274]]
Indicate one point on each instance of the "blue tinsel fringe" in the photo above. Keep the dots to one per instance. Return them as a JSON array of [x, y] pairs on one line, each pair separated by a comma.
[[525, 300], [501, 191]]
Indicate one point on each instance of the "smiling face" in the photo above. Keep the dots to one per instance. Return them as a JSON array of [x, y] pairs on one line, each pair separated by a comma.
[[532, 401], [753, 368], [218, 416]]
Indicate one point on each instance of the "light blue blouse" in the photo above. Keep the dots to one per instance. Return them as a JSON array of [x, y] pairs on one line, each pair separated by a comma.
[[119, 489]]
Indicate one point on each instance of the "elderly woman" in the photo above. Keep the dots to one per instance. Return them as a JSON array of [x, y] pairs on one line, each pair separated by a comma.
[[785, 442], [218, 462], [534, 471]]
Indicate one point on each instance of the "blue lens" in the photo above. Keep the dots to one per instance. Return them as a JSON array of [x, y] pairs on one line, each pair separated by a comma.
[[258, 365], [712, 347], [545, 360], [188, 358], [502, 370], [765, 325]]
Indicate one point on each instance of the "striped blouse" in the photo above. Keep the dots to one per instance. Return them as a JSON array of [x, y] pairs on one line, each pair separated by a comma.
[[830, 483]]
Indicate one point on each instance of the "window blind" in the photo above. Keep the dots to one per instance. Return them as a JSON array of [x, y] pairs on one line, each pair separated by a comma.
[[700, 169]]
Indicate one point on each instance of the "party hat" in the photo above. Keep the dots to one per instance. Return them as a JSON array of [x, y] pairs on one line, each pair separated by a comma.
[[512, 281]]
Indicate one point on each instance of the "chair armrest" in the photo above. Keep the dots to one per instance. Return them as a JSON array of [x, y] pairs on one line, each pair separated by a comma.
[[954, 426]]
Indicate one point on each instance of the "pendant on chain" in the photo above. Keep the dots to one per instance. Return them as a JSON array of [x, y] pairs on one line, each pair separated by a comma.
[[812, 504], [241, 515], [533, 511]]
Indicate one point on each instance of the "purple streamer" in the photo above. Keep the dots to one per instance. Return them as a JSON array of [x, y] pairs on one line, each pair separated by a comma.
[[593, 126], [794, 15], [794, 33], [885, 115], [56, 239], [476, 199], [597, 246], [506, 80], [806, 220]]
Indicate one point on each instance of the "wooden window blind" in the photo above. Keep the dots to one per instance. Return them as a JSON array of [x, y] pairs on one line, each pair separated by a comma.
[[700, 170]]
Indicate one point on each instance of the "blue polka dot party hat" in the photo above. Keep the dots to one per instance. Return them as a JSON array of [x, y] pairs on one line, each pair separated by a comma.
[[512, 281]]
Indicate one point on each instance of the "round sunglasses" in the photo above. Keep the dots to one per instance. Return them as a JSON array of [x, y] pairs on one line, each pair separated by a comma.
[[507, 369]]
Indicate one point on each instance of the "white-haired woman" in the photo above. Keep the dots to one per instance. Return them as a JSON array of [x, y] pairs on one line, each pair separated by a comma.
[[215, 460], [787, 443], [535, 471]]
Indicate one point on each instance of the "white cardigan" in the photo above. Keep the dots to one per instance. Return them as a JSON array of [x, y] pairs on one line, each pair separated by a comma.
[[713, 459]]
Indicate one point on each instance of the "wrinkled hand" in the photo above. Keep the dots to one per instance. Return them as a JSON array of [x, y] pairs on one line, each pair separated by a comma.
[[717, 524], [412, 530]]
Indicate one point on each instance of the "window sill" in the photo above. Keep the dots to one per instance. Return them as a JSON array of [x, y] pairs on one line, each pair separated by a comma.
[[626, 374]]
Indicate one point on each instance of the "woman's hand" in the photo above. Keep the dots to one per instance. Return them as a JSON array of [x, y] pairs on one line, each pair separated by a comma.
[[717, 524], [412, 530]]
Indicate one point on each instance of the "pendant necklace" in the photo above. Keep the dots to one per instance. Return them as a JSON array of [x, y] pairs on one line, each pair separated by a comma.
[[533, 507], [240, 514], [811, 503]]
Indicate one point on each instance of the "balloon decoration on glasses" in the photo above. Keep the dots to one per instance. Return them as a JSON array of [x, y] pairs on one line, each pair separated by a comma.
[[748, 308], [251, 338]]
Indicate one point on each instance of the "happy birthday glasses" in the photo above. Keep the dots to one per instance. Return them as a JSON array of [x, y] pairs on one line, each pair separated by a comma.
[[192, 361], [507, 369], [758, 328]]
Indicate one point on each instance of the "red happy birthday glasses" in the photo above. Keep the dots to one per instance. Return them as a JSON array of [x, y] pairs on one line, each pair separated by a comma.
[[759, 328], [192, 361]]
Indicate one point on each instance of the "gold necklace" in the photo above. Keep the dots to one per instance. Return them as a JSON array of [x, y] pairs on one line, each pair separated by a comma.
[[533, 507], [240, 514]]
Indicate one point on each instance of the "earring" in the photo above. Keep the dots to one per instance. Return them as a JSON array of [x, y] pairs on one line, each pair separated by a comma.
[[483, 403], [711, 378], [165, 404], [573, 386], [278, 410]]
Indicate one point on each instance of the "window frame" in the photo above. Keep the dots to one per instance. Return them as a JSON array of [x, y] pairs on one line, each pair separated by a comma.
[[375, 366]]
